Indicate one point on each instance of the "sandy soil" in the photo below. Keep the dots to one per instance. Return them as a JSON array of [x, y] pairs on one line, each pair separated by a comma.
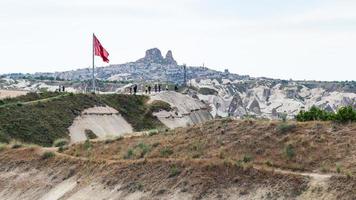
[[11, 93]]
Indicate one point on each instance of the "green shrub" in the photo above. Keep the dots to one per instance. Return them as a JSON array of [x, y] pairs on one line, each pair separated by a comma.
[[4, 138], [207, 91], [338, 169], [62, 148], [247, 158], [144, 149], [47, 155], [289, 151], [90, 134], [166, 151], [344, 114], [269, 163], [153, 132], [129, 154], [158, 105], [60, 142], [174, 171], [285, 127], [87, 145], [313, 114]]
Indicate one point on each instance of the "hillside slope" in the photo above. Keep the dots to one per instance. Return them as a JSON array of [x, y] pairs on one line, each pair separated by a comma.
[[43, 121], [269, 98], [43, 118], [221, 159]]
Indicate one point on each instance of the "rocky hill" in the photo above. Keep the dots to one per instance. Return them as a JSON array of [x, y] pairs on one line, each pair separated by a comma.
[[152, 67], [270, 98], [43, 118], [227, 94]]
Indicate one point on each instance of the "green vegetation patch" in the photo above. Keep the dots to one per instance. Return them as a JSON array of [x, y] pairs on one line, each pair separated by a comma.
[[207, 91], [47, 155], [48, 115], [158, 105], [43, 122], [31, 96], [90, 134], [134, 109], [344, 114]]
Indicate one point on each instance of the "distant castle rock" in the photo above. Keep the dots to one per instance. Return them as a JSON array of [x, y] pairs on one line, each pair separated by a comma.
[[155, 56]]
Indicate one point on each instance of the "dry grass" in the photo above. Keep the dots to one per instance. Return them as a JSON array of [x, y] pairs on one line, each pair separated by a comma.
[[308, 146], [200, 178], [211, 160]]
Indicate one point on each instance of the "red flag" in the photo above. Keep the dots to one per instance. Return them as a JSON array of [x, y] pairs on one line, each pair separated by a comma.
[[99, 50]]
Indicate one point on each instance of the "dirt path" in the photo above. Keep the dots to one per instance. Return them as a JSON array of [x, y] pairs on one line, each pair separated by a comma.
[[36, 101], [316, 178], [317, 188]]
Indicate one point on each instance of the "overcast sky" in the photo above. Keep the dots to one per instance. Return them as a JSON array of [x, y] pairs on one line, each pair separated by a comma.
[[299, 39]]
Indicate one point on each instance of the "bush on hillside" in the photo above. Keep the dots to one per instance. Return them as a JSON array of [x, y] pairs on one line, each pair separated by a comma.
[[289, 151], [4, 138], [207, 91], [90, 134], [158, 105], [285, 127], [166, 151], [314, 113], [60, 142], [47, 155], [344, 114]]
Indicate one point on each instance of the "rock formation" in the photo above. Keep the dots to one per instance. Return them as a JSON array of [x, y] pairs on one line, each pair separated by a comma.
[[152, 56], [169, 58], [155, 56]]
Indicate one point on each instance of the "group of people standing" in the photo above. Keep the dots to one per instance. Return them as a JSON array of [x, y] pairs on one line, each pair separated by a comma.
[[61, 88], [148, 88]]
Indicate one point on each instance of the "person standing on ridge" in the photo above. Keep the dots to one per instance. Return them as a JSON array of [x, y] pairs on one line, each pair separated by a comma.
[[155, 88], [149, 89], [159, 87], [135, 89], [146, 89]]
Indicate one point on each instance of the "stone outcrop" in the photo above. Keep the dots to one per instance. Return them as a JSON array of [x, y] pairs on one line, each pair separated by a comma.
[[169, 58], [155, 56], [152, 56], [236, 106], [186, 110]]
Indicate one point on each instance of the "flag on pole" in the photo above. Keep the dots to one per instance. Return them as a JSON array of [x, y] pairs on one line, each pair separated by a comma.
[[99, 50]]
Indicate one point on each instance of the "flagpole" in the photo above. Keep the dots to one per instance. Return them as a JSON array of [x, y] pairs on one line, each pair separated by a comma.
[[93, 76]]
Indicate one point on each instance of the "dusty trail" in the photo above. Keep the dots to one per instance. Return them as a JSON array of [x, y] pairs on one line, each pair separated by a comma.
[[36, 101], [316, 178]]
